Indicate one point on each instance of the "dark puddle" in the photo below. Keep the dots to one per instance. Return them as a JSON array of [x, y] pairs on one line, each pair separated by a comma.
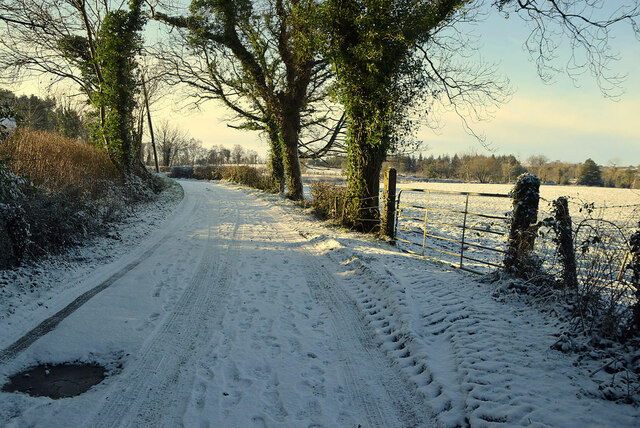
[[56, 381]]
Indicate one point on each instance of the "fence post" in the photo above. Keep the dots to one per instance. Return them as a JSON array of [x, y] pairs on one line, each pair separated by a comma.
[[565, 243], [522, 233], [389, 203]]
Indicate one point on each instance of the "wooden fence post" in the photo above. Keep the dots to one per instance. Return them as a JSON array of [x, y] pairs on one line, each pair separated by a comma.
[[389, 203], [565, 243], [522, 233]]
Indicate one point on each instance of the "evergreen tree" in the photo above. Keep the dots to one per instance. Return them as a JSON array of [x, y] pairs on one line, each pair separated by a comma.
[[590, 174]]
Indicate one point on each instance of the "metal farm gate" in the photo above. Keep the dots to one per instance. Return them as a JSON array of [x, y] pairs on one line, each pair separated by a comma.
[[464, 229]]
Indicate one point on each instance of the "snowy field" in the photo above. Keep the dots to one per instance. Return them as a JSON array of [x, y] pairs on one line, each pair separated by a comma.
[[611, 203], [240, 310]]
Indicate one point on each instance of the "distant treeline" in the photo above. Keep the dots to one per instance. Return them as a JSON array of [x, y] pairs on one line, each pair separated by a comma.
[[176, 147], [506, 168]]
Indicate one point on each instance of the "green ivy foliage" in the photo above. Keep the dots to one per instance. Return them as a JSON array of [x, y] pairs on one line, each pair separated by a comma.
[[110, 77], [119, 41], [370, 44]]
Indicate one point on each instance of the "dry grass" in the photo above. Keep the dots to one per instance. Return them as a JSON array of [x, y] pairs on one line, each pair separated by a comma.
[[53, 162]]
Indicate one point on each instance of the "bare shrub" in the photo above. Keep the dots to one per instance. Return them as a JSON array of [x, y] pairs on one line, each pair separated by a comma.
[[603, 296], [56, 192], [325, 199], [330, 201], [207, 173], [181, 172], [249, 176], [14, 230]]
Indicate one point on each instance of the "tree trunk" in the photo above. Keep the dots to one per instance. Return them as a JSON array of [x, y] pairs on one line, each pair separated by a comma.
[[276, 164], [365, 163], [289, 133], [368, 142]]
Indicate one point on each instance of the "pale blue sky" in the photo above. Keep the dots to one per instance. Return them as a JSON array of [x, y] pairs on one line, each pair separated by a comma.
[[558, 120]]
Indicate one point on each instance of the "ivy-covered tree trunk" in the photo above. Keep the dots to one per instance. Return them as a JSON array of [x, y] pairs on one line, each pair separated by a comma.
[[368, 140], [276, 165], [367, 63], [519, 259], [289, 127], [118, 43], [365, 159]]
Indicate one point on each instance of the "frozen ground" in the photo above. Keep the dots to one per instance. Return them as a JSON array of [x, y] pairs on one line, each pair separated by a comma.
[[240, 310]]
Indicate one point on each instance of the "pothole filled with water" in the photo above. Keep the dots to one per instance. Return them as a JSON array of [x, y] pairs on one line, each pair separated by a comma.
[[56, 380]]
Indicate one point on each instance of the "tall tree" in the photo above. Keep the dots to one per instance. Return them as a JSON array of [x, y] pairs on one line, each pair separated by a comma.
[[390, 53], [117, 45], [171, 143], [260, 60], [379, 51]]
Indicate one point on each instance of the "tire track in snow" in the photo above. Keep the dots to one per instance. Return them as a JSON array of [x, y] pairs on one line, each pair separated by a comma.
[[53, 321], [152, 401], [384, 305], [358, 350], [402, 407]]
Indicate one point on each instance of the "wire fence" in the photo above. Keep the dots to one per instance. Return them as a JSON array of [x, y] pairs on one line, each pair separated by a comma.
[[565, 248], [469, 230], [601, 236]]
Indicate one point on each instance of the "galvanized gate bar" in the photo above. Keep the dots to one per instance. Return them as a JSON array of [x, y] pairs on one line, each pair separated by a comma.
[[452, 192], [463, 241], [497, 250]]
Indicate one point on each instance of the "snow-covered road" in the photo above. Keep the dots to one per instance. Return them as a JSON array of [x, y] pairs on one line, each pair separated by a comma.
[[225, 317], [238, 311]]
